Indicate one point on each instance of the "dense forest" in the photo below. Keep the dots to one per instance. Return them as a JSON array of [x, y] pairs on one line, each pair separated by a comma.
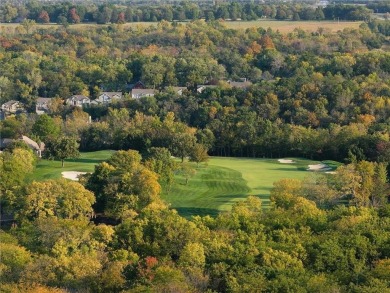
[[317, 95]]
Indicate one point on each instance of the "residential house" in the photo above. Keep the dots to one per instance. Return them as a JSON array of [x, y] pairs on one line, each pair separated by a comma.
[[137, 85], [107, 98], [201, 88], [242, 84], [139, 93], [179, 89], [12, 107], [78, 101], [38, 148], [42, 105]]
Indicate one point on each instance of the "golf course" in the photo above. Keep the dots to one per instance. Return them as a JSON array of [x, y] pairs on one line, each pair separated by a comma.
[[214, 187]]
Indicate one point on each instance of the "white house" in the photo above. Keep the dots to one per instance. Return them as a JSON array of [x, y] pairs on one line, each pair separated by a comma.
[[108, 97], [78, 101], [12, 107], [139, 93]]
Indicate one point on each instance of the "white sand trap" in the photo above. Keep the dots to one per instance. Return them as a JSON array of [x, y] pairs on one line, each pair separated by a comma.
[[72, 175], [285, 161], [319, 167], [332, 172]]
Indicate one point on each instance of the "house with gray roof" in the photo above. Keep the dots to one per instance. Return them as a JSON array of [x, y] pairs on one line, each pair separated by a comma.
[[42, 105], [139, 93], [243, 84], [179, 89], [78, 101], [36, 147], [107, 98]]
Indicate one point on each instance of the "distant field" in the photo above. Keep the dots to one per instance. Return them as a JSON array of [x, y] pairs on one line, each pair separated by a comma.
[[212, 189], [282, 26], [289, 26]]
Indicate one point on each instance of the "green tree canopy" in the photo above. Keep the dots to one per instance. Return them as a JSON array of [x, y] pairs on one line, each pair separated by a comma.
[[61, 148]]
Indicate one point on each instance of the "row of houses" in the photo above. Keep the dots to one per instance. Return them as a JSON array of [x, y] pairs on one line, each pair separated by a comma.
[[138, 91], [43, 104], [110, 97]]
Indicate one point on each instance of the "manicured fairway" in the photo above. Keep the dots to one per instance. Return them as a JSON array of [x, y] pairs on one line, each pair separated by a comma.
[[212, 189], [225, 180], [85, 163]]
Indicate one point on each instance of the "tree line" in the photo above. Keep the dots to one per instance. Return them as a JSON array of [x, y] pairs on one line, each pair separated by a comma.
[[67, 13]]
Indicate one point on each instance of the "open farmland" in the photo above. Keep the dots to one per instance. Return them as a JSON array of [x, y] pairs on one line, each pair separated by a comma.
[[281, 26], [289, 26]]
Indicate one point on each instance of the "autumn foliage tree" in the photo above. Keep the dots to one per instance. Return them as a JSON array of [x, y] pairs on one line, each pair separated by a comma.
[[44, 17], [73, 17], [121, 17], [129, 186], [15, 165], [56, 198], [267, 43], [199, 154]]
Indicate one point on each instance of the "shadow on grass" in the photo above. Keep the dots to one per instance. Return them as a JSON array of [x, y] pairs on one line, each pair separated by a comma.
[[241, 195], [88, 161], [188, 212], [290, 169], [261, 189], [264, 197]]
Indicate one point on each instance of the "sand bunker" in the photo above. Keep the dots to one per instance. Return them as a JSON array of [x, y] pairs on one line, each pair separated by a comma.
[[319, 167], [72, 175], [285, 161]]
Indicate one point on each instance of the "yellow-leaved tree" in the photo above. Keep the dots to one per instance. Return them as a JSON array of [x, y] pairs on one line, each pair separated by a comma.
[[56, 198]]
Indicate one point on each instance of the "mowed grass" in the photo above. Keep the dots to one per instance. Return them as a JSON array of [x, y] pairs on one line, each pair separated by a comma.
[[283, 26], [224, 181], [214, 188], [47, 169]]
